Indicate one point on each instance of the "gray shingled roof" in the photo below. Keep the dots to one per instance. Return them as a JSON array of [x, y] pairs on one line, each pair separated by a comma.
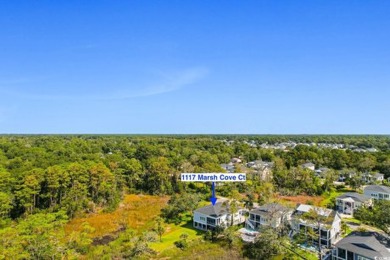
[[269, 209], [219, 209], [355, 196], [368, 244], [378, 188]]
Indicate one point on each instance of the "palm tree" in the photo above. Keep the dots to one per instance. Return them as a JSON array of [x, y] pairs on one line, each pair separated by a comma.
[[316, 219]]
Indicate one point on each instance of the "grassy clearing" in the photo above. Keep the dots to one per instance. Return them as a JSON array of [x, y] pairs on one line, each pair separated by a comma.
[[200, 250], [137, 211], [299, 253], [328, 197], [173, 233], [306, 254], [299, 199]]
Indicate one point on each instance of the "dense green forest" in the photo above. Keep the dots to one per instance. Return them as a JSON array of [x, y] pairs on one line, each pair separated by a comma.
[[47, 180]]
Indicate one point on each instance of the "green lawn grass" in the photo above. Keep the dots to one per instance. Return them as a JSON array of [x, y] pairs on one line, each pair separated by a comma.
[[299, 253], [199, 249], [306, 254], [173, 234]]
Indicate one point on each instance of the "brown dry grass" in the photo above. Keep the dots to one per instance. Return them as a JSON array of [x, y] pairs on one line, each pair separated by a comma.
[[300, 199], [137, 211]]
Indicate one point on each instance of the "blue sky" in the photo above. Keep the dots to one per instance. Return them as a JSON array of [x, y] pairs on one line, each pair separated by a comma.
[[248, 67]]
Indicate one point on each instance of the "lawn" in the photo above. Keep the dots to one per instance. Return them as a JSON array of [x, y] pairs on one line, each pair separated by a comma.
[[199, 249], [173, 233], [299, 253], [137, 211]]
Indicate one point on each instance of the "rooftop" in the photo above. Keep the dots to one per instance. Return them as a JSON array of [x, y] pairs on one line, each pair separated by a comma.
[[368, 244], [378, 188], [355, 196], [304, 208], [329, 216], [378, 175], [269, 209], [309, 164], [219, 209]]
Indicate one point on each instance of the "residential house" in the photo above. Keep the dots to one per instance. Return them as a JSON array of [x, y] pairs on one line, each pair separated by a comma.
[[228, 167], [378, 192], [271, 215], [378, 177], [236, 160], [373, 177], [344, 176], [350, 201], [330, 225], [219, 215], [262, 169], [362, 246], [309, 165]]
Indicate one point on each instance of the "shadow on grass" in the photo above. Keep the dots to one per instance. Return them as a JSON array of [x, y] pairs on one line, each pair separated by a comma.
[[188, 225]]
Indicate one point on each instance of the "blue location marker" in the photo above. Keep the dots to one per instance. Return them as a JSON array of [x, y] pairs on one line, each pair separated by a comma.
[[213, 199]]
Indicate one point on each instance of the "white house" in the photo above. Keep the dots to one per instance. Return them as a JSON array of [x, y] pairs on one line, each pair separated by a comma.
[[378, 192], [373, 177], [236, 160], [219, 215], [309, 165], [362, 246], [348, 202], [329, 228], [272, 215], [261, 169], [228, 167]]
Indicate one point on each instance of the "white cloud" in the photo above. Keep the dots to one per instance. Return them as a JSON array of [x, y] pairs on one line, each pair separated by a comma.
[[171, 82], [168, 82]]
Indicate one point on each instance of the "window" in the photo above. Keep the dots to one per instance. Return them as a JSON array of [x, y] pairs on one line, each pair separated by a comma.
[[341, 252], [203, 218], [324, 234], [211, 221]]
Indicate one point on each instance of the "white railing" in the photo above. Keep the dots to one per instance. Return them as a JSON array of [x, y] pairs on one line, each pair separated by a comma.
[[250, 224]]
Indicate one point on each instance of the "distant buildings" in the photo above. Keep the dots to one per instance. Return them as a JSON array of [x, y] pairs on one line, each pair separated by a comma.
[[347, 203], [228, 167], [261, 168], [309, 165], [378, 192], [236, 160], [362, 246], [285, 146], [373, 177]]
